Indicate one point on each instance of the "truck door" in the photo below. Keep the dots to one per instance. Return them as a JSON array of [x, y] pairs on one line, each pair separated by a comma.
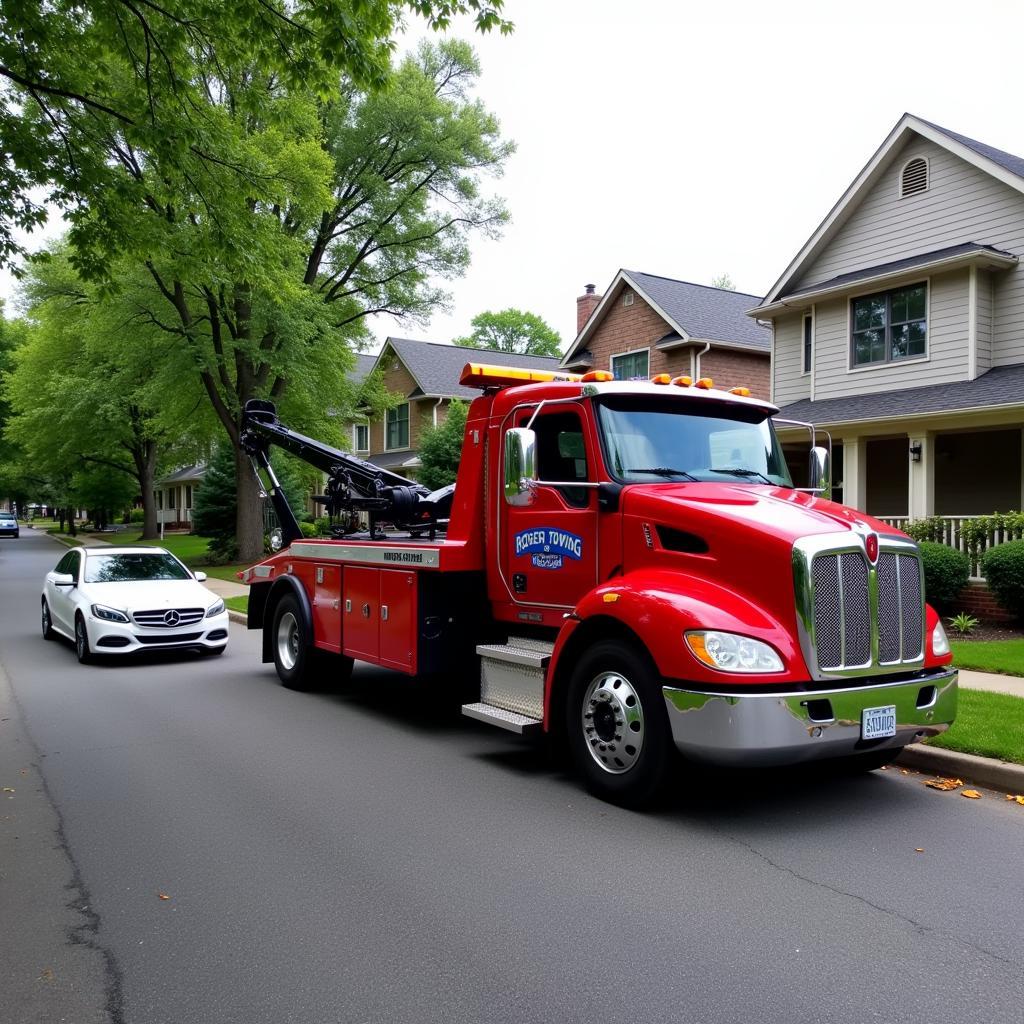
[[549, 548]]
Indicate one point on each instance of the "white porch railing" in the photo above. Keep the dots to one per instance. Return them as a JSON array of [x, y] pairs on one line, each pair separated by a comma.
[[950, 531]]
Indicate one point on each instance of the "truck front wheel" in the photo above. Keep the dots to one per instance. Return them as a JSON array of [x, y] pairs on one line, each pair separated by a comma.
[[618, 731]]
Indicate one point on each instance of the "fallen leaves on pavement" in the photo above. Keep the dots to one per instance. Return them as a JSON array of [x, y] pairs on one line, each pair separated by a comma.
[[918, 849], [1016, 799], [971, 794], [944, 784], [163, 896]]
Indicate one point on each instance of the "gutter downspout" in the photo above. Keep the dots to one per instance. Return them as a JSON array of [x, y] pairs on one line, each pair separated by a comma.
[[434, 411], [696, 360]]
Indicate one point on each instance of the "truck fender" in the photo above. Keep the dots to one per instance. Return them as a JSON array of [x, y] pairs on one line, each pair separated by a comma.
[[281, 586], [654, 608]]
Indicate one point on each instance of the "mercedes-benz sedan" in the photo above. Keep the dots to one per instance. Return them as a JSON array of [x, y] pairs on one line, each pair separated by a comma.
[[124, 600]]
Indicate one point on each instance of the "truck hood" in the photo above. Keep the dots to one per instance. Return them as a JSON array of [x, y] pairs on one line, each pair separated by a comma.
[[732, 512]]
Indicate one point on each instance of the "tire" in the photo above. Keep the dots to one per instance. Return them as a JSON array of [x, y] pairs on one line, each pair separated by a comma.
[[82, 641], [47, 622], [614, 697], [870, 761], [300, 665]]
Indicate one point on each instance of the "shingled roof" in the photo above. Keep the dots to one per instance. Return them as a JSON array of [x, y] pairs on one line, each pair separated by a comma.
[[697, 312], [436, 367], [1001, 386], [1009, 162]]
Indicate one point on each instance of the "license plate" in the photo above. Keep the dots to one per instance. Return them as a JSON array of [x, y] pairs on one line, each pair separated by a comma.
[[877, 723]]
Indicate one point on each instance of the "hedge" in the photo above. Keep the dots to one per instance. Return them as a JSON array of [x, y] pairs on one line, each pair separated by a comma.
[[1003, 567], [946, 572]]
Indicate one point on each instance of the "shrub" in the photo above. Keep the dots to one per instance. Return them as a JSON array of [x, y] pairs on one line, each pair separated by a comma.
[[137, 515], [1003, 567], [222, 551], [946, 572], [323, 526], [962, 623], [308, 529]]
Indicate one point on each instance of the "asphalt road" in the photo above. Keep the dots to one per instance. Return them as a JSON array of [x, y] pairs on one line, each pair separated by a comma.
[[371, 856]]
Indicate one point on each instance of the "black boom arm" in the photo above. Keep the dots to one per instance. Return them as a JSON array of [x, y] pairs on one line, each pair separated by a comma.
[[352, 484]]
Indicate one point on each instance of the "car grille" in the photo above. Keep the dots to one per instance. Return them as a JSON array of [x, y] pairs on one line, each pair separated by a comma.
[[178, 617], [177, 638], [863, 617]]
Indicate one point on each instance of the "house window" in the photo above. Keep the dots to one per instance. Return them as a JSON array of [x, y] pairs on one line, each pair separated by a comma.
[[808, 343], [397, 429], [361, 437], [631, 365], [188, 495], [170, 496], [890, 326]]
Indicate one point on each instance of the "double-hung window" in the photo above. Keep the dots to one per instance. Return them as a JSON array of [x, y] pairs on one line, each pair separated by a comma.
[[361, 437], [808, 340], [890, 326], [397, 427], [632, 365]]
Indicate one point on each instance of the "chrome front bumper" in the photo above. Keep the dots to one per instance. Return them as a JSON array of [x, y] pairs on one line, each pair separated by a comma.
[[785, 728]]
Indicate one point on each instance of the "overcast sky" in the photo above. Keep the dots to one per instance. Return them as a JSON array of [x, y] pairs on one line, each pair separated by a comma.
[[690, 144]]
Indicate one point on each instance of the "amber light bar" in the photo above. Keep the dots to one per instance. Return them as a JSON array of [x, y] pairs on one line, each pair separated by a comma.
[[481, 375]]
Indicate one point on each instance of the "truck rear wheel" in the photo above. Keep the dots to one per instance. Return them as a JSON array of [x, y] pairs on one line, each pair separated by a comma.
[[618, 731], [300, 665]]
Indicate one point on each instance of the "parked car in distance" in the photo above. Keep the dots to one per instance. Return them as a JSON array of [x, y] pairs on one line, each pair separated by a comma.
[[124, 600], [8, 525]]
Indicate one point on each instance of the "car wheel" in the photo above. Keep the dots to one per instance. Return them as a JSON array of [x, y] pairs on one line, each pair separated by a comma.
[[82, 641], [618, 731], [48, 633]]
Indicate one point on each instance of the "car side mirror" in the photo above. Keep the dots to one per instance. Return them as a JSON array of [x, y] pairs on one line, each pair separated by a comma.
[[821, 472], [520, 465], [200, 577], [63, 579]]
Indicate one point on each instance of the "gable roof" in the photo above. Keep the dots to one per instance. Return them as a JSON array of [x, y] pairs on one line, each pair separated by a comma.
[[186, 473], [693, 312], [1004, 166], [364, 364], [436, 367]]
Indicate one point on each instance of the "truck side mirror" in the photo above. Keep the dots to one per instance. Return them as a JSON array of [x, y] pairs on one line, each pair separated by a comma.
[[821, 472], [520, 465]]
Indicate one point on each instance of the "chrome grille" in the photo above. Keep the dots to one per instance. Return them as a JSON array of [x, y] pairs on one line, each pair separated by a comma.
[[859, 617], [163, 618]]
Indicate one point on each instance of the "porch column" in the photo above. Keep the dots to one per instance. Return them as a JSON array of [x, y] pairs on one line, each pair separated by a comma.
[[854, 482], [921, 486]]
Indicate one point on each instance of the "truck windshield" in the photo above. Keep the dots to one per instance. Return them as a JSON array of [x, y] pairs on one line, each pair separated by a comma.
[[697, 440]]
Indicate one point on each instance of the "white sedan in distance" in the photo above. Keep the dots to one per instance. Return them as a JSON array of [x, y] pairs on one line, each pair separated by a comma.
[[124, 600]]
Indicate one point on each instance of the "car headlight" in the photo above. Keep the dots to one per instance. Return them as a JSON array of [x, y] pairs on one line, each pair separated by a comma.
[[215, 609], [101, 611], [940, 642], [731, 652]]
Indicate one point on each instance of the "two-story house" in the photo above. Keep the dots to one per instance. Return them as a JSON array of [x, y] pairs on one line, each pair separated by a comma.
[[426, 374], [899, 328], [644, 324]]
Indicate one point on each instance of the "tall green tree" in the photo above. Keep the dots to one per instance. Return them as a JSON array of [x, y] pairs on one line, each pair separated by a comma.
[[441, 448], [512, 330], [723, 281]]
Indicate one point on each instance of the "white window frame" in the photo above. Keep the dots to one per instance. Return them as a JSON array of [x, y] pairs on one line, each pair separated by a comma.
[[631, 352], [356, 427], [408, 429]]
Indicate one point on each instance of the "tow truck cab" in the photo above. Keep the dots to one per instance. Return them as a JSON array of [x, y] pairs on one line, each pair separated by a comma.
[[628, 565]]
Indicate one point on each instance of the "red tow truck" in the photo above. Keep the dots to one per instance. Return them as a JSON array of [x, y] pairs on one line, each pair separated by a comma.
[[625, 565]]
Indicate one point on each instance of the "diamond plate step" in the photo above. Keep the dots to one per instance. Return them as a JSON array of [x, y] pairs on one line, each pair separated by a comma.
[[510, 720], [532, 653]]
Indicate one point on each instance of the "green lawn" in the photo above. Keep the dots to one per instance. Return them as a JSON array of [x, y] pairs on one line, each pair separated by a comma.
[[238, 604], [987, 724], [1003, 656], [191, 549]]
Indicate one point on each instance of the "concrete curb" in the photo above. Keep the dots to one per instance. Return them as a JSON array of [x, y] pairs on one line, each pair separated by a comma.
[[983, 771], [238, 617]]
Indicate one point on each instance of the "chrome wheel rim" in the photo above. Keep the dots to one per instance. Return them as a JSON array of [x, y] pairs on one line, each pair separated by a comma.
[[46, 620], [288, 641], [612, 720], [80, 637]]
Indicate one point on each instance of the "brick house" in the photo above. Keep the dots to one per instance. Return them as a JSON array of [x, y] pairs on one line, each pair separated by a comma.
[[644, 324], [427, 374]]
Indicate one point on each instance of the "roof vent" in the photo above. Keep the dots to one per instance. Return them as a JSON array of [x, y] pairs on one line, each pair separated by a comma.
[[914, 177], [627, 299]]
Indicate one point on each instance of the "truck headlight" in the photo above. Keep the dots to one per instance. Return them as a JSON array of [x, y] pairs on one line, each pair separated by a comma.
[[101, 611], [731, 652], [940, 642], [215, 609]]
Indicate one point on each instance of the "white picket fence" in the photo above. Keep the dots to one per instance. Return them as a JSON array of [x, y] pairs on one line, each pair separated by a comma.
[[951, 533]]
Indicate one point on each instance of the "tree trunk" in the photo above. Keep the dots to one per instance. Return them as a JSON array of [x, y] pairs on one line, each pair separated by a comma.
[[71, 522], [249, 521], [146, 465]]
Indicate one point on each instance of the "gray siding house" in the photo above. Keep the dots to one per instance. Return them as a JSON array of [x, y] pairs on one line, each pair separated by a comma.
[[899, 328]]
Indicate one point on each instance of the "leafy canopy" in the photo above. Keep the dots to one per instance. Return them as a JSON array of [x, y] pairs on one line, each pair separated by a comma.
[[441, 448], [512, 330]]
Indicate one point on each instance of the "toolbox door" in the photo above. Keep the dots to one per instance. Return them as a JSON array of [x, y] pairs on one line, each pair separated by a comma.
[[360, 620], [398, 620]]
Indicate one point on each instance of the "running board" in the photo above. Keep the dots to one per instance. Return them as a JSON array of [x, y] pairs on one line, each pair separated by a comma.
[[510, 720]]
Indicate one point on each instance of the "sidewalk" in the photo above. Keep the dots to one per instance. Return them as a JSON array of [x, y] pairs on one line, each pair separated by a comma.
[[1012, 685], [227, 588]]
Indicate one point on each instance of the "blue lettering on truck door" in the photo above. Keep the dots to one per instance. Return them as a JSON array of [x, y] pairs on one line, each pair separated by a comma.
[[548, 546]]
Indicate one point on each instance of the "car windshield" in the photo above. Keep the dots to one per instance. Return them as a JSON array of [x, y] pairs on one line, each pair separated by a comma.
[[682, 440], [135, 568]]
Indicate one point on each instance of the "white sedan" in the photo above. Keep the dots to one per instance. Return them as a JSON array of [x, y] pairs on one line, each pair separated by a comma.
[[123, 600]]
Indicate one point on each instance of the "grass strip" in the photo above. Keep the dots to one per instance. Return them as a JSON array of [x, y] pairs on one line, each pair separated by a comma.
[[238, 604], [1005, 657], [987, 724]]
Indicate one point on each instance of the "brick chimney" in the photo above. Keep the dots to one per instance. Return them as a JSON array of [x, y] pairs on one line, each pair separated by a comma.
[[585, 306]]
